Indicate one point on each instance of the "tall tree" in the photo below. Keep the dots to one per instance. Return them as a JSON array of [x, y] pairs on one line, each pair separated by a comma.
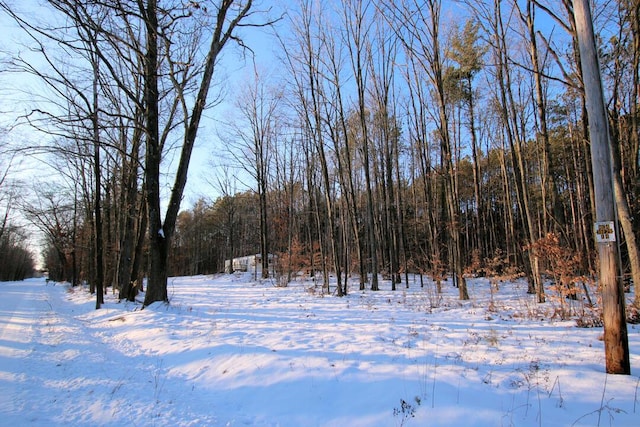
[[18, 262], [549, 188], [421, 35], [381, 58], [356, 15], [624, 134], [314, 96], [74, 115], [512, 123], [467, 52], [342, 136], [257, 132], [228, 16]]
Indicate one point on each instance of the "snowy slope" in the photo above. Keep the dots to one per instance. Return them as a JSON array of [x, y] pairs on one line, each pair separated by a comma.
[[231, 352]]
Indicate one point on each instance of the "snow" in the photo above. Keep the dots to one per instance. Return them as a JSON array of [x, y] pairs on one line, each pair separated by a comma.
[[228, 351]]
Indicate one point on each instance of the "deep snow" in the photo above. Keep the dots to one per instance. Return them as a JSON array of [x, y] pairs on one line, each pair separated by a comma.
[[231, 352]]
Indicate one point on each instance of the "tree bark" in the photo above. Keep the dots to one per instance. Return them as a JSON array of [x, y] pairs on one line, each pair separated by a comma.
[[160, 233], [514, 138], [356, 33], [95, 121]]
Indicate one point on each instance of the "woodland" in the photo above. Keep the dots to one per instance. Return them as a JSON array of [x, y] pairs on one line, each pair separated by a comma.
[[378, 139]]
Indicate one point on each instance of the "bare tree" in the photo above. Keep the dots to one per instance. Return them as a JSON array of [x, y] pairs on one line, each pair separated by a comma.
[[312, 92], [81, 118], [419, 31], [253, 140], [356, 16], [18, 262], [382, 57], [342, 136], [228, 16], [52, 212], [6, 193], [624, 133]]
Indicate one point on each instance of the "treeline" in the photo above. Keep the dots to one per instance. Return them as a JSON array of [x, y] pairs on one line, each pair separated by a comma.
[[445, 138], [17, 261], [404, 141]]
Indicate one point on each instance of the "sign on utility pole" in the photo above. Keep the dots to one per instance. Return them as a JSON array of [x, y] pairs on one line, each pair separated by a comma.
[[616, 343]]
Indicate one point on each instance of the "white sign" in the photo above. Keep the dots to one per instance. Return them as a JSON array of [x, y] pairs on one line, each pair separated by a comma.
[[605, 231]]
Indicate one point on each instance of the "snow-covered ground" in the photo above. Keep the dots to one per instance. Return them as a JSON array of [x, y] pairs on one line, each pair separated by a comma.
[[231, 352]]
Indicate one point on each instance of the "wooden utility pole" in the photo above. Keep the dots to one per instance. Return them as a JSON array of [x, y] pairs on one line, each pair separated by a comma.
[[616, 344]]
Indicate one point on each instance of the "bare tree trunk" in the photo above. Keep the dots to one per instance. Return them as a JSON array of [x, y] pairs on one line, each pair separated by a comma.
[[623, 211], [510, 118], [617, 143], [634, 18], [357, 32], [332, 228], [130, 214], [382, 78], [264, 222], [423, 41], [320, 116], [626, 221], [548, 182], [160, 233], [345, 169], [428, 248], [453, 209], [98, 190], [158, 237]]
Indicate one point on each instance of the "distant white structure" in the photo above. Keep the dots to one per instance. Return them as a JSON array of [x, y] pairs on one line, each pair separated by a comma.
[[251, 263]]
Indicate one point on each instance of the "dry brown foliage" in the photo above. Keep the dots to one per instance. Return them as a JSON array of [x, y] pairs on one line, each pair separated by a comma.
[[565, 267]]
